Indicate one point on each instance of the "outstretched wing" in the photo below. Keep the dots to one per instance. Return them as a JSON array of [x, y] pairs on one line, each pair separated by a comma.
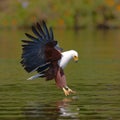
[[36, 49]]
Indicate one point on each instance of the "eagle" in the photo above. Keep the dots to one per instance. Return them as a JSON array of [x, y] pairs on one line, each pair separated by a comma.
[[42, 53]]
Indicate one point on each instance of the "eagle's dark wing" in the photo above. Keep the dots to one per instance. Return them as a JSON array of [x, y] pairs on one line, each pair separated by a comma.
[[34, 56]]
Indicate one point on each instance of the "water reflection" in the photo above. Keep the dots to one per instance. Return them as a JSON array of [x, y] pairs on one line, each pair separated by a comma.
[[51, 111], [65, 109]]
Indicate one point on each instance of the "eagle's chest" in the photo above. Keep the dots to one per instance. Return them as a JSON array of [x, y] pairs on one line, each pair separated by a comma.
[[64, 59]]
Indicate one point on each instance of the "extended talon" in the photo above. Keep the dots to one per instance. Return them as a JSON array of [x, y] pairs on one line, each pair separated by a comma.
[[71, 91], [67, 91]]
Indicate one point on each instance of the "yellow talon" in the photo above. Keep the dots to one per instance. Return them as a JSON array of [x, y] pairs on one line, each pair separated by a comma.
[[67, 91], [71, 91]]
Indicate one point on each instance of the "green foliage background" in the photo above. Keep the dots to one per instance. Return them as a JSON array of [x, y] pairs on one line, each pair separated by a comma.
[[60, 13]]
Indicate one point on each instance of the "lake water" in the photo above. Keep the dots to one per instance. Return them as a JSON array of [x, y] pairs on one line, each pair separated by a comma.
[[95, 78]]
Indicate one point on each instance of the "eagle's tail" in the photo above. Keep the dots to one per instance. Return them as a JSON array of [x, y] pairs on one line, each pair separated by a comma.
[[36, 76]]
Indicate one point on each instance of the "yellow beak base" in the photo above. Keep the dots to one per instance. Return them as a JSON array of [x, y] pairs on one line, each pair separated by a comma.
[[75, 58]]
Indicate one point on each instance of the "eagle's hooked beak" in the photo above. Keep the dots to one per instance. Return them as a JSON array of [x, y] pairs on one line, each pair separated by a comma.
[[75, 58]]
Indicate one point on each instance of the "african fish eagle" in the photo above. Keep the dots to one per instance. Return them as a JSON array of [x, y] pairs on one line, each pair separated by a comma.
[[43, 54]]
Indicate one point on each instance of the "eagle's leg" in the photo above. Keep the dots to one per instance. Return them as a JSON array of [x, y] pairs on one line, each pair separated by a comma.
[[61, 81], [67, 91]]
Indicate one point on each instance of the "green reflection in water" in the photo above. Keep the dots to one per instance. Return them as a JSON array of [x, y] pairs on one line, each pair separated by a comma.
[[96, 79]]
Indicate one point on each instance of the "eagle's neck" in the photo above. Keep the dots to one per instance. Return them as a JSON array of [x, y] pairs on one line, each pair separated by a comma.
[[66, 57]]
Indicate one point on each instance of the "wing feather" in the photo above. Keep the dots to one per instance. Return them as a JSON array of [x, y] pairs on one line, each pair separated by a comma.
[[34, 56], [31, 37], [28, 42], [51, 34], [46, 31], [36, 32], [40, 30]]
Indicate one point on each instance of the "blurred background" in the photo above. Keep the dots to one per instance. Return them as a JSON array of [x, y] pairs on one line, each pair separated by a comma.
[[91, 27], [59, 13]]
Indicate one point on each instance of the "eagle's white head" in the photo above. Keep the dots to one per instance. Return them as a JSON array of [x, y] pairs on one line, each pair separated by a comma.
[[74, 55], [67, 56]]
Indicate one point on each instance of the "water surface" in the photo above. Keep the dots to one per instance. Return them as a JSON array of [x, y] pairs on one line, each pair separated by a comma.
[[95, 78]]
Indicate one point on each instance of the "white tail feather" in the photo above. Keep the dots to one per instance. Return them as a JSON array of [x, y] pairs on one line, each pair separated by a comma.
[[35, 76]]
